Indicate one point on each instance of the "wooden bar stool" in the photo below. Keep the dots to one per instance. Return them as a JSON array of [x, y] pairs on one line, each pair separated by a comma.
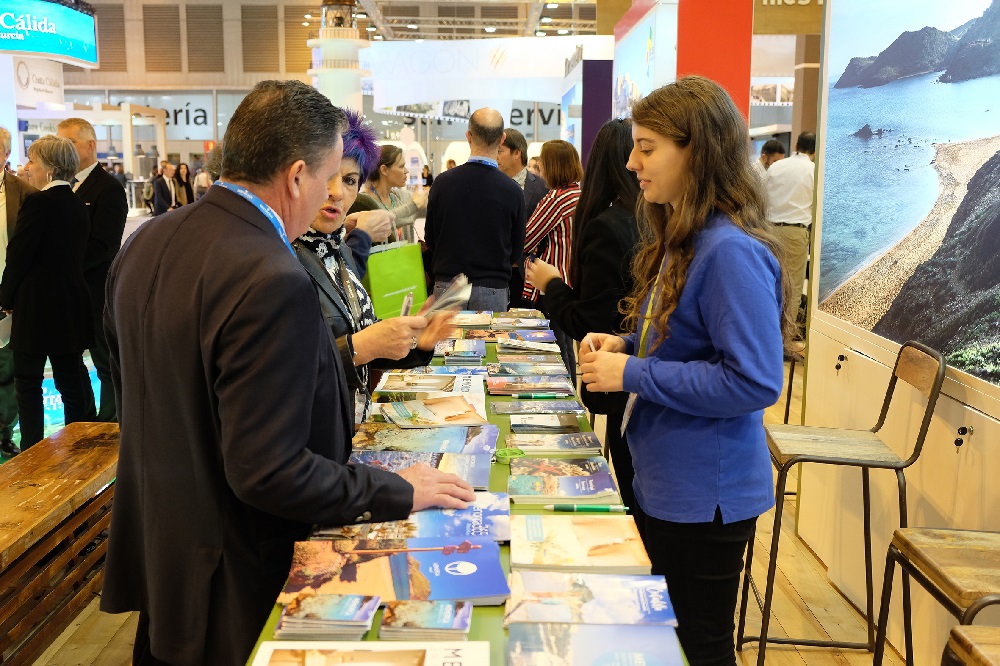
[[917, 365], [959, 568], [972, 646]]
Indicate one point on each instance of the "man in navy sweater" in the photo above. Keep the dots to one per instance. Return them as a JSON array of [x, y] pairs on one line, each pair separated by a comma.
[[475, 219]]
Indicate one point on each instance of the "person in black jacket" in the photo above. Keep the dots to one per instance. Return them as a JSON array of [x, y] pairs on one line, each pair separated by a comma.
[[335, 268], [605, 237], [108, 207], [43, 288]]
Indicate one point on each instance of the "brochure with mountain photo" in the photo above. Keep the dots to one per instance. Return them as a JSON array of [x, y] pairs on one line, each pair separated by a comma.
[[557, 386], [397, 569], [425, 620], [553, 368], [560, 466], [538, 407], [487, 517], [473, 468], [548, 489], [544, 423], [576, 443], [515, 323], [346, 617], [453, 439]]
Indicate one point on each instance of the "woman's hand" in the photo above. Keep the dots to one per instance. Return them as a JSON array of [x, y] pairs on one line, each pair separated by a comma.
[[375, 223], [439, 328], [389, 338], [602, 342], [603, 370], [539, 273]]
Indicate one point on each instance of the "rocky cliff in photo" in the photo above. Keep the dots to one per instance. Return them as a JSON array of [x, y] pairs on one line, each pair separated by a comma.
[[978, 53]]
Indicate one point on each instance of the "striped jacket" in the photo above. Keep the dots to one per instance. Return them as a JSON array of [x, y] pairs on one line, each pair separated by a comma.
[[548, 231]]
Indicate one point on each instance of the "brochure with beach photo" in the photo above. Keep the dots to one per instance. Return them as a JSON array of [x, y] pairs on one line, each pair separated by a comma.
[[396, 569], [409, 653], [552, 368], [544, 423], [549, 489], [538, 407], [586, 542], [584, 598], [577, 443], [593, 645], [425, 620], [432, 412], [558, 386], [471, 467], [487, 517], [452, 439]]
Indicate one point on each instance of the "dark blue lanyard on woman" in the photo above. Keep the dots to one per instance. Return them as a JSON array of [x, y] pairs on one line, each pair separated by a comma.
[[264, 209]]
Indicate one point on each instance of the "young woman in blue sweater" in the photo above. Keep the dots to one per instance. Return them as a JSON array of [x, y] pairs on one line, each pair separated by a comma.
[[705, 356]]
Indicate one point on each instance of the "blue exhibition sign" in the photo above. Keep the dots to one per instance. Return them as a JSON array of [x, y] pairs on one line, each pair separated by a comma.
[[39, 28]]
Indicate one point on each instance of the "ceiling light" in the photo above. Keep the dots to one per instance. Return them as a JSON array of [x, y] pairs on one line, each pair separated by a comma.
[[412, 26], [371, 28], [490, 28], [552, 5], [539, 34], [308, 16], [546, 19], [377, 37], [563, 31]]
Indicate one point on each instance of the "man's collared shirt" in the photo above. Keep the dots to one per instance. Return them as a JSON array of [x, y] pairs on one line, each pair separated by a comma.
[[521, 176], [82, 176], [790, 190], [484, 160]]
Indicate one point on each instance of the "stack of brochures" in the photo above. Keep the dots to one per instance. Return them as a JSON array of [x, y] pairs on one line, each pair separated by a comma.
[[405, 386], [535, 386], [453, 439], [426, 621], [583, 542], [461, 352], [473, 468], [522, 346], [577, 443], [332, 617], [585, 645], [545, 424], [313, 653], [538, 407], [561, 480], [515, 323], [472, 318], [432, 412], [553, 368]]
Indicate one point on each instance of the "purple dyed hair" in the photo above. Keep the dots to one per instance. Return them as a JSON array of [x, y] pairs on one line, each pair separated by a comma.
[[360, 143]]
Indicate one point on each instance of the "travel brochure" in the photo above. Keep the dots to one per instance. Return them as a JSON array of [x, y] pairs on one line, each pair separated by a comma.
[[425, 620], [487, 517], [544, 423], [432, 412], [399, 387], [515, 313], [520, 346], [593, 645], [473, 468], [538, 407], [540, 335], [396, 569], [548, 489], [410, 653], [514, 323], [554, 368], [577, 542], [443, 370], [458, 349], [472, 318], [560, 466], [534, 385], [452, 439], [345, 617], [529, 358], [576, 443], [584, 598]]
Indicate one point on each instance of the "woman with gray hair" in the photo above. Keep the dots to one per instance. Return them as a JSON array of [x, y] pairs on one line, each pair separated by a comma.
[[44, 290]]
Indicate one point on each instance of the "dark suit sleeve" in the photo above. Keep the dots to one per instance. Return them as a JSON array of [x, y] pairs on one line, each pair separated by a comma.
[[161, 193], [593, 304], [23, 246], [264, 440], [517, 232], [428, 249], [110, 211]]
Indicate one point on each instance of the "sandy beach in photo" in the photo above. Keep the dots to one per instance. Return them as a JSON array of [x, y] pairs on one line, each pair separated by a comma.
[[866, 296]]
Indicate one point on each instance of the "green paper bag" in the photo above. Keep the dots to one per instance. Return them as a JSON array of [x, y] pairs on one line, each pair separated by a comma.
[[395, 270]]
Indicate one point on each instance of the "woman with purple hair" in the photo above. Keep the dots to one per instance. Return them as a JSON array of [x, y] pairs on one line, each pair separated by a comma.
[[336, 266]]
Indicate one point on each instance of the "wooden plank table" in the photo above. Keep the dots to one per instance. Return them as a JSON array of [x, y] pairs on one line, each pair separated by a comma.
[[57, 502]]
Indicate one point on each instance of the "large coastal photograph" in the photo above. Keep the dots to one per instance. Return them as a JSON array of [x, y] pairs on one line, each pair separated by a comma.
[[911, 185]]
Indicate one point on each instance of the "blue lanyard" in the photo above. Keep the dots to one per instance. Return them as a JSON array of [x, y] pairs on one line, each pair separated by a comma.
[[484, 160], [264, 209]]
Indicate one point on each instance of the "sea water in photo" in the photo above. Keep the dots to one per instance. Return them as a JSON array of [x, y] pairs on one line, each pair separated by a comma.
[[877, 190]]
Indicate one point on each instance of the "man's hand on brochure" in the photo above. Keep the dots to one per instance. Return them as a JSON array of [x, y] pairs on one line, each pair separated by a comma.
[[434, 488], [389, 338]]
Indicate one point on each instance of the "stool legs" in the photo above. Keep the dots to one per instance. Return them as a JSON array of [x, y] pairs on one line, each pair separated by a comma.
[[788, 398], [745, 597], [907, 612], [883, 615], [772, 564], [869, 586]]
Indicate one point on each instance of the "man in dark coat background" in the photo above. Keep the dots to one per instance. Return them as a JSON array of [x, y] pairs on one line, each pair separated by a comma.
[[108, 208], [235, 416], [512, 158]]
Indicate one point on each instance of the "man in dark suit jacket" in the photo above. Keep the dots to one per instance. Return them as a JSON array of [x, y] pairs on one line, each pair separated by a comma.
[[164, 194], [108, 208], [235, 416], [512, 157], [13, 191]]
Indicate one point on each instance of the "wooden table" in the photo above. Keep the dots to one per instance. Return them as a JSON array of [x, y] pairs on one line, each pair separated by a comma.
[[56, 501]]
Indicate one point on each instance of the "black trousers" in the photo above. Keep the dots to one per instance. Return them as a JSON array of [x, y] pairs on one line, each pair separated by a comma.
[[72, 381], [702, 563], [8, 398], [616, 449], [107, 410]]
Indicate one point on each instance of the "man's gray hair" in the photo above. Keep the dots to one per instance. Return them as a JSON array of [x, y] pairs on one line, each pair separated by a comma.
[[82, 127], [4, 141], [56, 154], [277, 124]]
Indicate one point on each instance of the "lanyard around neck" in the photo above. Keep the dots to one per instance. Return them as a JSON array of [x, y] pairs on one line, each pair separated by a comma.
[[644, 336], [264, 209]]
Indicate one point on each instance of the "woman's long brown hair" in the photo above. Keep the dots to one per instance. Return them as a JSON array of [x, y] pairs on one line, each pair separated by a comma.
[[697, 113]]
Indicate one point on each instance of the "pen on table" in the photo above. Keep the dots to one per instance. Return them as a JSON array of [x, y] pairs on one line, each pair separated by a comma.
[[536, 395], [587, 508]]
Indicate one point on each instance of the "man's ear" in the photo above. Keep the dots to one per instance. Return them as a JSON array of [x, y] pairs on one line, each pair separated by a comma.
[[468, 136], [293, 178]]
